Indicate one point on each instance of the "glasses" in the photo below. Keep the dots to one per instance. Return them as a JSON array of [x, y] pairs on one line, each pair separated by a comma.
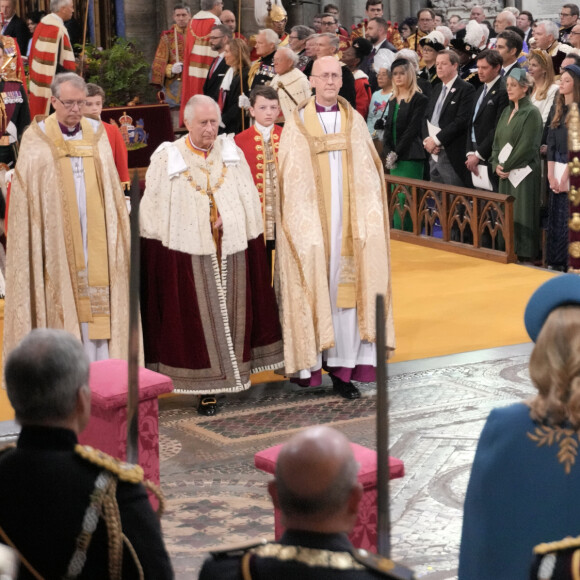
[[328, 22], [293, 37], [69, 105], [562, 14], [328, 77]]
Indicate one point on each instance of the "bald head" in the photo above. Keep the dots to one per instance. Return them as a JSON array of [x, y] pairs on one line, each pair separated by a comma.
[[326, 79], [228, 19], [316, 481]]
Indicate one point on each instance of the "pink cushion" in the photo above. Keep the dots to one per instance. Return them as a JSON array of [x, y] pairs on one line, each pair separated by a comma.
[[109, 380], [265, 460]]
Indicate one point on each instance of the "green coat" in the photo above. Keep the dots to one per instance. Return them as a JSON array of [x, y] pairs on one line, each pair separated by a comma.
[[524, 134]]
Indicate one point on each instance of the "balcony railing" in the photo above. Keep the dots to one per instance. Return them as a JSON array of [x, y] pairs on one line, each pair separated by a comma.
[[471, 222]]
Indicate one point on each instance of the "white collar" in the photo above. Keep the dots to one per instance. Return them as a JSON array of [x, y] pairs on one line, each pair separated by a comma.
[[450, 83], [491, 83], [266, 131]]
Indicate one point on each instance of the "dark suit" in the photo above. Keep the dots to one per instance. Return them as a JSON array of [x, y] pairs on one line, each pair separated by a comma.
[[453, 120], [367, 64], [17, 29], [46, 488], [485, 123], [409, 144], [213, 81], [231, 113], [313, 563], [506, 73]]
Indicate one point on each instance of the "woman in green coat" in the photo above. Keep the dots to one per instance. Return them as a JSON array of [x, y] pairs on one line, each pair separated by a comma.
[[520, 126]]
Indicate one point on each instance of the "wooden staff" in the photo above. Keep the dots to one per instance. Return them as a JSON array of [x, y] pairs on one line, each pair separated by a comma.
[[243, 111], [573, 122], [82, 65]]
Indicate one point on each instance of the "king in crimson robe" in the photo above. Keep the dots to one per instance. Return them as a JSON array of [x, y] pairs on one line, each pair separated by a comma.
[[198, 56], [332, 244], [50, 53], [67, 263], [209, 313]]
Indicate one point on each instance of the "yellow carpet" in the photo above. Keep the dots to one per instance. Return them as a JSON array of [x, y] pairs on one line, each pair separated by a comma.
[[444, 303]]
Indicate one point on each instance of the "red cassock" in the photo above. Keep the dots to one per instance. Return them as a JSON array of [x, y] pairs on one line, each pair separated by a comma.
[[120, 153]]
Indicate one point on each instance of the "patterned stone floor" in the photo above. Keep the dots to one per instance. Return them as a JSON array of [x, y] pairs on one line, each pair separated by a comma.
[[438, 407]]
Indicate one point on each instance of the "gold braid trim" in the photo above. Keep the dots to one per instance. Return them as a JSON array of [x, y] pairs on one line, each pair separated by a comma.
[[156, 491], [112, 517], [129, 547], [124, 471], [565, 544]]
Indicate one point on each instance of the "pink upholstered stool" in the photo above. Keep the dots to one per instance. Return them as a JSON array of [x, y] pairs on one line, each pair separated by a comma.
[[107, 428], [364, 534]]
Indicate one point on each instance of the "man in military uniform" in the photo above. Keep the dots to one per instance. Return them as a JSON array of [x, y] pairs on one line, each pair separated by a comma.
[[316, 489], [53, 488], [262, 70], [279, 18], [466, 44]]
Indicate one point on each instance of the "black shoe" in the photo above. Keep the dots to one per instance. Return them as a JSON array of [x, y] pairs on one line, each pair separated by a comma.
[[207, 405], [345, 390]]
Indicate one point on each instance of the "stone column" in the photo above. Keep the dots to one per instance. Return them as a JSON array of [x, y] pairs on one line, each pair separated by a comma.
[[141, 25]]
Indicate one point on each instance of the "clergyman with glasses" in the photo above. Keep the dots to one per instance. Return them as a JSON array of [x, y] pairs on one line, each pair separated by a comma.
[[67, 264], [332, 240]]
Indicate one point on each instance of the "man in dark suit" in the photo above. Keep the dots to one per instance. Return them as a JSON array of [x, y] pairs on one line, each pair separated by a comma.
[[376, 34], [488, 105], [509, 45], [13, 25], [66, 508], [218, 38], [316, 489], [446, 118]]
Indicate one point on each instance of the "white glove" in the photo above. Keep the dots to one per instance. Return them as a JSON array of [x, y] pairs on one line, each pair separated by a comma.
[[243, 102], [128, 203], [177, 68]]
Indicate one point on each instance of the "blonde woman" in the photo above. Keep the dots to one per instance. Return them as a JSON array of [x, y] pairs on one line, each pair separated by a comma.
[[545, 89], [403, 145], [524, 482]]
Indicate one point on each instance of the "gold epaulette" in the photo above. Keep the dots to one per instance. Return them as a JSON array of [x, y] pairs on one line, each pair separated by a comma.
[[565, 544], [384, 566], [124, 471], [232, 550]]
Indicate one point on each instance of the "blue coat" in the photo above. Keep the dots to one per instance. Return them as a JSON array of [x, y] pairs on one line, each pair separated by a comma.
[[519, 495]]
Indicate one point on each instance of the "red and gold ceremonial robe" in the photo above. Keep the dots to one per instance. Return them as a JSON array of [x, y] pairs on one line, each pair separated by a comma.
[[50, 53], [209, 317], [263, 161], [170, 50], [14, 70], [198, 56]]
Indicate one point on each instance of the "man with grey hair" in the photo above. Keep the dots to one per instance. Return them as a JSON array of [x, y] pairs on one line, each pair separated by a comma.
[[546, 39], [290, 83], [316, 489], [209, 312], [297, 42], [55, 486], [198, 52], [13, 25], [328, 44], [67, 263], [50, 53], [502, 21], [262, 70]]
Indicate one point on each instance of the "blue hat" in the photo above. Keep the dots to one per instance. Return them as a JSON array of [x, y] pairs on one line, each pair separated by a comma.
[[559, 291]]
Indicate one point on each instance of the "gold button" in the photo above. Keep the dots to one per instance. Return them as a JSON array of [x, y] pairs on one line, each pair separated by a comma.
[[258, 148], [260, 176], [257, 138], [260, 166], [260, 157]]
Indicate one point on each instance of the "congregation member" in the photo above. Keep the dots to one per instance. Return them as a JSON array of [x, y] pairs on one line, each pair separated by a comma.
[[574, 38], [316, 489], [489, 102], [16, 117], [413, 58], [167, 68], [352, 57], [14, 26], [209, 313], [70, 271], [228, 19], [568, 19], [316, 23], [262, 70], [509, 44], [502, 21], [332, 323], [327, 44], [234, 89], [290, 83], [453, 22], [198, 54], [53, 482], [219, 36], [260, 144], [50, 53], [430, 46], [466, 44], [376, 34], [32, 21], [477, 13], [407, 27], [516, 146], [297, 42], [373, 9], [403, 146], [333, 9], [426, 23], [524, 22], [546, 38], [558, 171], [446, 119], [544, 89], [379, 106], [524, 480], [447, 35], [329, 23], [93, 108]]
